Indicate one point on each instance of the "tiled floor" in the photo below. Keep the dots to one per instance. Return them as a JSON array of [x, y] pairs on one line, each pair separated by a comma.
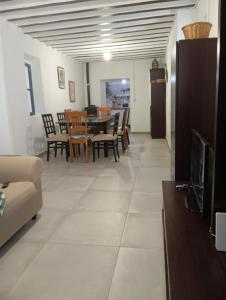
[[99, 234]]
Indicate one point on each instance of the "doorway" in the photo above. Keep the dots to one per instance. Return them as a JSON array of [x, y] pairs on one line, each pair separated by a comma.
[[115, 93]]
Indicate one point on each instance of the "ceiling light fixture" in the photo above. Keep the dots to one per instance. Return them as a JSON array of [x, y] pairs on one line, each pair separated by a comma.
[[104, 24], [123, 81], [107, 56], [105, 34], [105, 29]]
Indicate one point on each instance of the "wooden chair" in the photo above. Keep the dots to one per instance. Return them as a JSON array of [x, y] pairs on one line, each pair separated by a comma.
[[127, 126], [54, 141], [101, 141], [122, 136], [62, 126], [78, 132], [103, 112]]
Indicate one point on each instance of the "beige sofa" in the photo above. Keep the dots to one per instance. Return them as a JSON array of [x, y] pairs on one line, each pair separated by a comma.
[[23, 195]]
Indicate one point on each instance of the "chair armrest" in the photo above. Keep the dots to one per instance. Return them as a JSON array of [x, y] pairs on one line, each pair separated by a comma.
[[20, 168]]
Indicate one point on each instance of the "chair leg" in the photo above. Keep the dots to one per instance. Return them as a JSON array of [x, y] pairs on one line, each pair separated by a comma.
[[48, 151], [86, 151], [79, 150], [117, 150], [98, 150], [62, 148], [67, 150], [71, 152], [55, 148], [127, 134], [113, 144], [93, 146], [123, 145]]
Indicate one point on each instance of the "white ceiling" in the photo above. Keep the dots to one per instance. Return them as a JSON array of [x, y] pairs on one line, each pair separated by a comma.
[[84, 30]]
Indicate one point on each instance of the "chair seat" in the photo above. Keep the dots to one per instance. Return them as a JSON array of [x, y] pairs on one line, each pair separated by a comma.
[[58, 138], [104, 137], [120, 132]]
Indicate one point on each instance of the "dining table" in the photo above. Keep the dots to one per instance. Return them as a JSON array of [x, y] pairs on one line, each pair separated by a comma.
[[103, 123]]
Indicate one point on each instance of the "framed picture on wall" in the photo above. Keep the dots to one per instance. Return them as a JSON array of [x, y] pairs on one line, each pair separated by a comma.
[[71, 85], [61, 77]]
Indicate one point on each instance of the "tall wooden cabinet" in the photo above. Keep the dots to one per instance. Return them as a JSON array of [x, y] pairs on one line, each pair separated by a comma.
[[158, 104], [193, 98]]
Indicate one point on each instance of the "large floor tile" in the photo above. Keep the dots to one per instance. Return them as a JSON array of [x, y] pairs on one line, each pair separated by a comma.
[[43, 227], [61, 200], [104, 201], [14, 259], [120, 171], [143, 231], [122, 184], [84, 170], [67, 272], [154, 172], [74, 183], [165, 163], [145, 203], [139, 275], [96, 228], [148, 185]]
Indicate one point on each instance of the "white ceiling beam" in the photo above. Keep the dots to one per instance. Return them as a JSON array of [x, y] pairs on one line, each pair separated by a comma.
[[20, 4], [118, 58], [131, 58], [97, 21], [99, 45], [109, 45], [87, 5], [117, 49], [120, 54], [55, 41], [131, 40], [83, 30], [123, 12]]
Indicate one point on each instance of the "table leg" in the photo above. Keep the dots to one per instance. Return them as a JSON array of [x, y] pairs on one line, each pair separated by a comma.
[[105, 125]]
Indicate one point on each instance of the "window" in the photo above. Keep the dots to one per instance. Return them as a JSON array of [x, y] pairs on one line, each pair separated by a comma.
[[30, 95]]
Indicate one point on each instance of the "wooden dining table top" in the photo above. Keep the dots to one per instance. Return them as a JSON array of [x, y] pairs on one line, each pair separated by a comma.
[[93, 120]]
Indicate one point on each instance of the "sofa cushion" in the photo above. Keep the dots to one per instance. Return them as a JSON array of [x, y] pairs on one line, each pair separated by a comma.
[[18, 193]]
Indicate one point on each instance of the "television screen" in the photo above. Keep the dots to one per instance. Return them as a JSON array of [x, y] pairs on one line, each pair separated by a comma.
[[199, 165]]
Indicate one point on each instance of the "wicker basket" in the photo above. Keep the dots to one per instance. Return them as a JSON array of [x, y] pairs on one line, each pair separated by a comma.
[[198, 30]]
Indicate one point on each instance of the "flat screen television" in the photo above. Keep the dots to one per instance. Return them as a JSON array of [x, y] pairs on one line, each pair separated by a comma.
[[199, 171]]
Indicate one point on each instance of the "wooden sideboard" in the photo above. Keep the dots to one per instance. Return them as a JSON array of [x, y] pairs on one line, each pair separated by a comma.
[[194, 269]]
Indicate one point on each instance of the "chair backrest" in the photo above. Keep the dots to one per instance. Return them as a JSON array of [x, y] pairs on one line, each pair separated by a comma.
[[61, 118], [116, 122], [76, 122], [127, 119], [103, 112], [48, 124], [124, 119]]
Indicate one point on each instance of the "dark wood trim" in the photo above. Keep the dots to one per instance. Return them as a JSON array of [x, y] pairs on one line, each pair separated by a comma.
[[88, 84], [196, 271]]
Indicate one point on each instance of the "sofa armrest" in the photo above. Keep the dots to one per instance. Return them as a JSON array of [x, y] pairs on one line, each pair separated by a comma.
[[20, 168]]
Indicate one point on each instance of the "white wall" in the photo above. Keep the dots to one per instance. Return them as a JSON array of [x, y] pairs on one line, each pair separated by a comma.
[[205, 10], [27, 131], [138, 72], [170, 49]]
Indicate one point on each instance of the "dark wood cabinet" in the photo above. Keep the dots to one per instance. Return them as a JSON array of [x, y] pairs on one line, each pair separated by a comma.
[[195, 269], [158, 104], [194, 99]]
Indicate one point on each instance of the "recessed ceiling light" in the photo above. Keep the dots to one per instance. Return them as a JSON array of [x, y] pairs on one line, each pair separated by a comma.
[[104, 24], [105, 29], [105, 40], [107, 56], [106, 15], [105, 34]]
